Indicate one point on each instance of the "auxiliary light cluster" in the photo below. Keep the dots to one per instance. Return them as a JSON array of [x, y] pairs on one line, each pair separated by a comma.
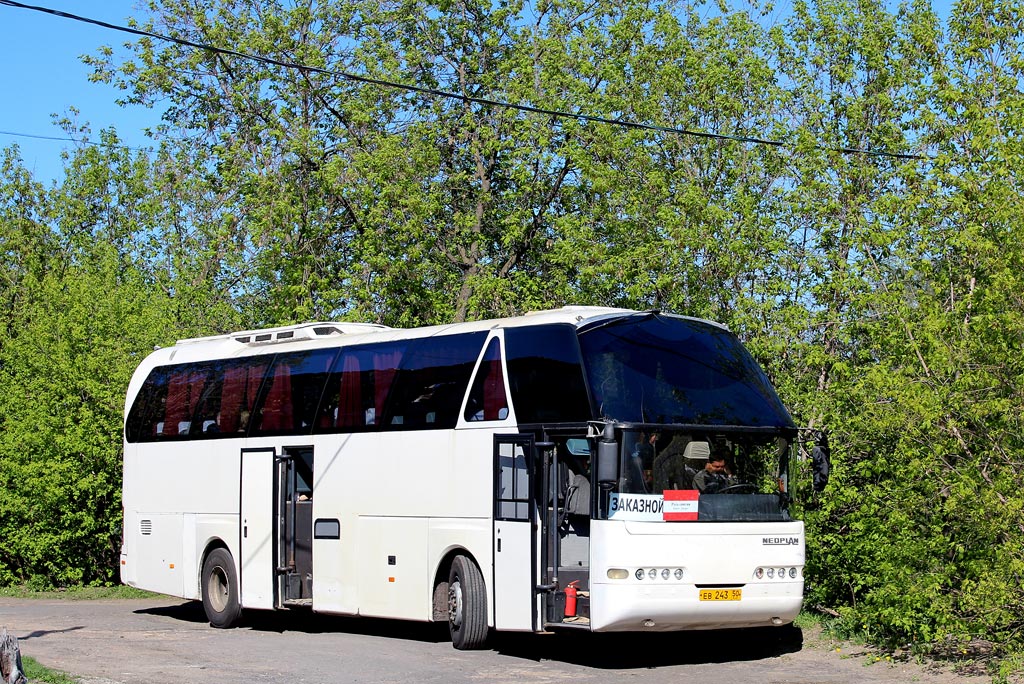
[[777, 573], [648, 574]]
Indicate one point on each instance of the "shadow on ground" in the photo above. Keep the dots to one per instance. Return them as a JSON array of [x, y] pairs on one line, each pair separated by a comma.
[[602, 651], [635, 650]]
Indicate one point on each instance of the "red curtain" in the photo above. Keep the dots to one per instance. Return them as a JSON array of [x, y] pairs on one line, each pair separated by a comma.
[[183, 392], [350, 398], [277, 412], [494, 388], [385, 367]]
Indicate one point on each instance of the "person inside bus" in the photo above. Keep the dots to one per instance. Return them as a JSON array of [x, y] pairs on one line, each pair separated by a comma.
[[715, 477]]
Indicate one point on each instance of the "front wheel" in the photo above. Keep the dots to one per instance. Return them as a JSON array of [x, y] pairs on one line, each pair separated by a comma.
[[467, 605], [220, 589]]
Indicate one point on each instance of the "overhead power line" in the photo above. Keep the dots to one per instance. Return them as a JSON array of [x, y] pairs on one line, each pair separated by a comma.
[[433, 92], [36, 136]]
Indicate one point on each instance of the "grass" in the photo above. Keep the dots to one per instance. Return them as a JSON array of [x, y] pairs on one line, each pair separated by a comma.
[[76, 593], [807, 620], [40, 673]]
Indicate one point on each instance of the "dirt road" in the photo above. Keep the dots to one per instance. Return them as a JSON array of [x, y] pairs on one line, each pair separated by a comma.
[[167, 641]]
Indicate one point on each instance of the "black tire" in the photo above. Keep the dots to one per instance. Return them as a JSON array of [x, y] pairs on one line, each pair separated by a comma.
[[467, 605], [220, 589]]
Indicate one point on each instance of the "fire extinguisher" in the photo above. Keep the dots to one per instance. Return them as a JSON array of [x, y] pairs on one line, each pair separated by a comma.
[[570, 598]]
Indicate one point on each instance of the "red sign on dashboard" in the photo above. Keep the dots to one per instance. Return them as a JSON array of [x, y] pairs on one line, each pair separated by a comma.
[[680, 504]]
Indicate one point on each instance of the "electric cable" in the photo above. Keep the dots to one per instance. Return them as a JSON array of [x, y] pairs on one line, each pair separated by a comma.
[[36, 136], [434, 92]]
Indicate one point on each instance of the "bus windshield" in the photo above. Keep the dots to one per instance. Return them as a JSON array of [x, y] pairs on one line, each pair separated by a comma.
[[735, 476], [651, 368]]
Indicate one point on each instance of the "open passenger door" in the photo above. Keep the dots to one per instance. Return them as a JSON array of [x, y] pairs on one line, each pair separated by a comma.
[[257, 543], [516, 603]]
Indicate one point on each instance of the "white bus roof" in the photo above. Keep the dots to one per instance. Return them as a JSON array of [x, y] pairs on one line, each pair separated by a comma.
[[320, 334]]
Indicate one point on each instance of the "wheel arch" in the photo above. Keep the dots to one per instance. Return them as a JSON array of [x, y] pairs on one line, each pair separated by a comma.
[[439, 603], [211, 544]]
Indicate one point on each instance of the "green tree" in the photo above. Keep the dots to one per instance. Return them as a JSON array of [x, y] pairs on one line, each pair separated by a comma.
[[90, 292]]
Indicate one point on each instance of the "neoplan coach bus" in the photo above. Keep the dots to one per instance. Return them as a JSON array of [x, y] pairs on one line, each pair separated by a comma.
[[584, 468]]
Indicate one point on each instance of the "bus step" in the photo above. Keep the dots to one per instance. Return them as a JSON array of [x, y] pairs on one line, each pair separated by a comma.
[[295, 603], [577, 622]]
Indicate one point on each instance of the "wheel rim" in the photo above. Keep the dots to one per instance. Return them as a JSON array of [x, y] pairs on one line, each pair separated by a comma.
[[455, 605], [218, 588]]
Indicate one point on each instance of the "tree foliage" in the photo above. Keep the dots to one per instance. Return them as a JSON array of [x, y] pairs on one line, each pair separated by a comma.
[[881, 293]]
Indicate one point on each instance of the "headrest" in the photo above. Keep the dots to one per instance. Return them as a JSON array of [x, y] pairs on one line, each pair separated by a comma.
[[698, 451]]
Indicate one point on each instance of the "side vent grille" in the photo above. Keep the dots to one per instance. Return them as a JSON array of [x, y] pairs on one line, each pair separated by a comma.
[[146, 527]]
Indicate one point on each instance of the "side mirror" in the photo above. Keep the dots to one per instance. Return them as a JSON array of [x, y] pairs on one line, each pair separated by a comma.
[[607, 462]]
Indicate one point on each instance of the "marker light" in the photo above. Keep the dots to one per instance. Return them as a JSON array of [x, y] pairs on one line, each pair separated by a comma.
[[617, 573], [776, 573]]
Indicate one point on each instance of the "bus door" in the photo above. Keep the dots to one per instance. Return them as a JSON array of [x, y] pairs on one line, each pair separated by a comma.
[[257, 543], [516, 601], [294, 568]]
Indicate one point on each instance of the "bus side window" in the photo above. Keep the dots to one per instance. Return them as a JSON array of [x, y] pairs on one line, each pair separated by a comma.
[[292, 392], [432, 381], [545, 373], [241, 384], [358, 387], [183, 392], [487, 400], [206, 419], [146, 417]]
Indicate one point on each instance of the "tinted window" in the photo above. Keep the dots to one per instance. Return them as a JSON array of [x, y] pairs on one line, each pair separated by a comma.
[[358, 388], [660, 369], [432, 382], [545, 374], [487, 400], [146, 417], [242, 381], [196, 400], [292, 392], [185, 386]]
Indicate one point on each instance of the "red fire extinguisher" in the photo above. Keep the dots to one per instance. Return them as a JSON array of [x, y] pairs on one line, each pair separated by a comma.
[[570, 598]]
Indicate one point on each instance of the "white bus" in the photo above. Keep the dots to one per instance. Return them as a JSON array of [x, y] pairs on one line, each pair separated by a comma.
[[584, 468]]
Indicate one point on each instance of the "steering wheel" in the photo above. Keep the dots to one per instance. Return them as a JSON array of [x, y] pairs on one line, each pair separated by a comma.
[[737, 488]]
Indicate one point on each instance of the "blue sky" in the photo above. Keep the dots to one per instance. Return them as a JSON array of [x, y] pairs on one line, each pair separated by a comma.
[[43, 75]]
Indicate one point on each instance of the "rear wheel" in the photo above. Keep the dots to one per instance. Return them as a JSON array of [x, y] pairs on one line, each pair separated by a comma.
[[467, 605], [220, 589]]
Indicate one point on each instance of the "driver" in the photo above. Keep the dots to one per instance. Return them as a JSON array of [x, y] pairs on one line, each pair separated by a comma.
[[715, 476]]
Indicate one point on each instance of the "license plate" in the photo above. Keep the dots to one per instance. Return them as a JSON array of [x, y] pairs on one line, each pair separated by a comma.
[[721, 594]]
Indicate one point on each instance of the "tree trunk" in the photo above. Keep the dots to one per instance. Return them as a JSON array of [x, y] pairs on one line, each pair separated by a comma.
[[10, 660]]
